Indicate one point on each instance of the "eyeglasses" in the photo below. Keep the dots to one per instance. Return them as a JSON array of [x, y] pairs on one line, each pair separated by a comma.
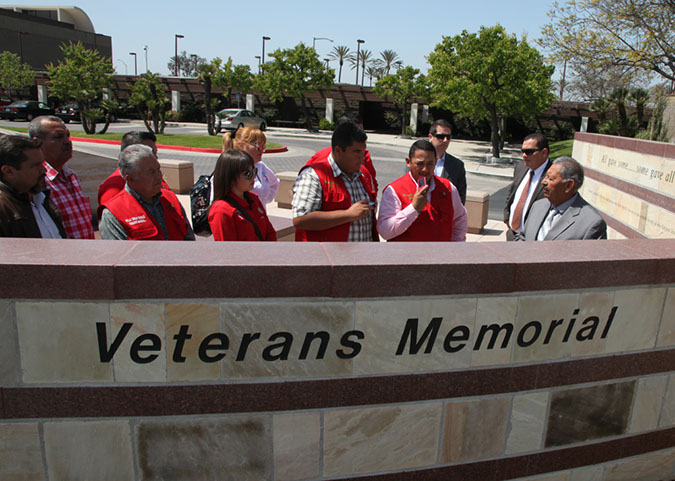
[[249, 174], [443, 136], [529, 152], [255, 145]]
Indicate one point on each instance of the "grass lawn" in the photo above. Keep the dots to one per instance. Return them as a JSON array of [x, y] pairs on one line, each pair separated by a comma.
[[201, 141], [563, 147]]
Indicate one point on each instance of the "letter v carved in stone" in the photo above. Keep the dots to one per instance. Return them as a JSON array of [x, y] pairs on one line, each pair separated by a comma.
[[103, 351]]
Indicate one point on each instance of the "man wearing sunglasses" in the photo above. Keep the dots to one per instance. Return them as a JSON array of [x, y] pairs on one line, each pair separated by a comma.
[[447, 166], [143, 210], [526, 187]]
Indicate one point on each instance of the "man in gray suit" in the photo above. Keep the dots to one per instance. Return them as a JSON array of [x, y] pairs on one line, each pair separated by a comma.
[[447, 166], [563, 214]]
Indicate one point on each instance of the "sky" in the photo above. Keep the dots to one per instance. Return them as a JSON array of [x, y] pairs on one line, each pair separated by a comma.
[[235, 29]]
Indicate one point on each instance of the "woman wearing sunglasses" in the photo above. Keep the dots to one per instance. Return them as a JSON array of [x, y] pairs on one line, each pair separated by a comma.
[[253, 142], [236, 214]]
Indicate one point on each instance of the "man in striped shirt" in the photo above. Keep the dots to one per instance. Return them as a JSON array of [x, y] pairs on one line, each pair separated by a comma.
[[66, 191]]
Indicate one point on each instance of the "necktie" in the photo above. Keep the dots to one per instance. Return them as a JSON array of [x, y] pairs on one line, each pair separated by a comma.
[[520, 206], [548, 223]]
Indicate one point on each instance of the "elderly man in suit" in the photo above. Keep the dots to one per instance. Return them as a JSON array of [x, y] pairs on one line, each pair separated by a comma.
[[447, 166], [526, 187], [563, 214]]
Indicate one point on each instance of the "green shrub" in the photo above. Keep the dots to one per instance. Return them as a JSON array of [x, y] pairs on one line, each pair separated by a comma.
[[325, 124], [410, 131], [172, 116]]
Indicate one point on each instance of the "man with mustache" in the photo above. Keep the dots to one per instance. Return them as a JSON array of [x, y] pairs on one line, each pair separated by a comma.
[[25, 207], [66, 191]]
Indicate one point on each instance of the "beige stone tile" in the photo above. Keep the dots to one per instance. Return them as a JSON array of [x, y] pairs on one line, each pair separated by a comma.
[[99, 450], [591, 304], [660, 223], [283, 329], [494, 310], [543, 309], [647, 404], [637, 318], [654, 466], [667, 418], [384, 324], [667, 329], [20, 453], [223, 448], [559, 476], [147, 319], [58, 341], [588, 473], [528, 420], [297, 448], [10, 367], [381, 438], [475, 429], [201, 321]]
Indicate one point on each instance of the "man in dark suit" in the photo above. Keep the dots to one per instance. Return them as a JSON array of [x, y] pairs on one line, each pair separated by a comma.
[[447, 166], [526, 187], [563, 214]]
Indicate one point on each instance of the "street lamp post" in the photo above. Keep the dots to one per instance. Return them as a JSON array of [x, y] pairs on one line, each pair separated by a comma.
[[135, 62], [126, 70], [263, 52], [175, 59], [145, 47], [258, 57], [314, 39], [358, 60], [327, 60]]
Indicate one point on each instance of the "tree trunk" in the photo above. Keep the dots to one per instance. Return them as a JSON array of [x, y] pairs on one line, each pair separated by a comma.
[[340, 74], [88, 123], [104, 129], [494, 127], [144, 116], [403, 124], [207, 106], [308, 122]]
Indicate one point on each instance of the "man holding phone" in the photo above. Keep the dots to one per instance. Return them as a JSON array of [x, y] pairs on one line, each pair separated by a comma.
[[421, 206]]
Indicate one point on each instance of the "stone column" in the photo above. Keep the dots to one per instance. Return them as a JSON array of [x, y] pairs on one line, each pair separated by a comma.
[[329, 110], [425, 114], [669, 117], [584, 124], [42, 93], [413, 116], [175, 101], [250, 102]]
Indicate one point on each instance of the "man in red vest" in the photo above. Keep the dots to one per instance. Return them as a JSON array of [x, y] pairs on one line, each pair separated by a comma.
[[143, 210], [334, 197], [421, 206]]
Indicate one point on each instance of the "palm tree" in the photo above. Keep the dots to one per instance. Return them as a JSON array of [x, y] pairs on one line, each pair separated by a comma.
[[372, 71], [640, 96], [365, 57], [389, 59], [340, 53]]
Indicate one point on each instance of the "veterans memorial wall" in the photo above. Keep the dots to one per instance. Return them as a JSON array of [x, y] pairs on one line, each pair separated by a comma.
[[288, 361]]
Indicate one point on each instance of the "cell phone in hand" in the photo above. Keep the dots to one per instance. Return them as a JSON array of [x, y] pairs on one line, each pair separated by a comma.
[[421, 182]]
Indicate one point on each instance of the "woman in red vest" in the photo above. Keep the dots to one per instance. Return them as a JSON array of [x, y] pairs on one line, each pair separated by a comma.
[[237, 214]]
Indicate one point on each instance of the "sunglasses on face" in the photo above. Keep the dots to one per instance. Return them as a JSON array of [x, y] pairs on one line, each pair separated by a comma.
[[256, 146], [250, 174], [529, 151], [443, 136]]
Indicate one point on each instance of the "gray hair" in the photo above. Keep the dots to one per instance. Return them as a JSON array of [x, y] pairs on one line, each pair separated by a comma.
[[570, 169], [35, 130], [131, 156]]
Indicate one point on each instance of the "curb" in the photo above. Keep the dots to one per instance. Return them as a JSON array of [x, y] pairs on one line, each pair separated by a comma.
[[283, 148]]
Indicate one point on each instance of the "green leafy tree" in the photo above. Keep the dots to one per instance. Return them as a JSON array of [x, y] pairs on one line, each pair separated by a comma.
[[402, 87], [81, 76], [211, 74], [149, 95], [293, 72], [341, 54], [490, 75], [14, 75], [187, 64], [238, 79], [640, 96]]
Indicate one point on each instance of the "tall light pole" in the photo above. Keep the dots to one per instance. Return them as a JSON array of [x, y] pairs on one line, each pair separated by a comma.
[[314, 39], [358, 59], [145, 47], [258, 57], [126, 70], [327, 60], [262, 63], [135, 62], [175, 59]]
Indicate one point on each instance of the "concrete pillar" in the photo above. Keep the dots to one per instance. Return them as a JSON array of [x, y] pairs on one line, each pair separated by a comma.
[[584, 124], [175, 101], [413, 116], [669, 117], [329, 110], [425, 114], [250, 102], [106, 94], [42, 93]]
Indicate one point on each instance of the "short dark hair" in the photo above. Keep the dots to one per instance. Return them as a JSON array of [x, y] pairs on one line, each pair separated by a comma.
[[136, 137], [422, 144], [346, 134], [13, 150], [542, 141], [229, 166], [35, 130], [570, 169], [439, 123]]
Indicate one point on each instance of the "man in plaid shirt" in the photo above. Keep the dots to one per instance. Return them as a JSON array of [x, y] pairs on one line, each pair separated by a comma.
[[66, 191]]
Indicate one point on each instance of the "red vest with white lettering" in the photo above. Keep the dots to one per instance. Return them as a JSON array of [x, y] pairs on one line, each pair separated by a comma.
[[139, 225], [335, 196], [434, 223]]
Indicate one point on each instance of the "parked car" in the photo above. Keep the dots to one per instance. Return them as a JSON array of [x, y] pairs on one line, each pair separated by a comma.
[[68, 112], [232, 119], [5, 99], [25, 109]]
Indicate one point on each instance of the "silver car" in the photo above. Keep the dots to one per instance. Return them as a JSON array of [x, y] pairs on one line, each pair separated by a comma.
[[232, 119]]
